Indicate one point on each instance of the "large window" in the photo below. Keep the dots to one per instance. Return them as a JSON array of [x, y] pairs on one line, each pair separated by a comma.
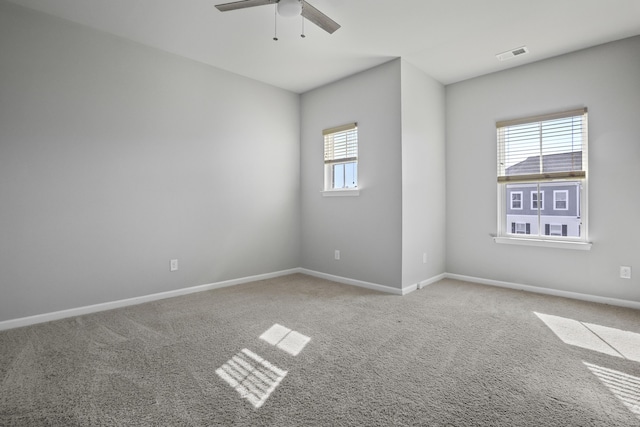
[[341, 157], [537, 155]]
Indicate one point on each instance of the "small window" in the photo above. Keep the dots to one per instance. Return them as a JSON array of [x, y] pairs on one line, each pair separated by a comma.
[[516, 200], [537, 200], [561, 200], [341, 157]]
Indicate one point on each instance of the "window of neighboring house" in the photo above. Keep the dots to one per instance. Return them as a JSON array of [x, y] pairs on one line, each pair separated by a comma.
[[341, 157], [555, 229], [516, 199], [537, 154], [537, 200], [520, 228], [561, 200]]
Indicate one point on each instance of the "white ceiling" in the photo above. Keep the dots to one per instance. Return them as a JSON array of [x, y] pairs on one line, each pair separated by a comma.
[[451, 40]]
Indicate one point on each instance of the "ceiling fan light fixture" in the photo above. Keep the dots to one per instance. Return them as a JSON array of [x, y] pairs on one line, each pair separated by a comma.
[[289, 8]]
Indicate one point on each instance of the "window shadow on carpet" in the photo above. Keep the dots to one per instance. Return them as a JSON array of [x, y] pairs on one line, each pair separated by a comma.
[[603, 339], [285, 339], [251, 376], [623, 386], [610, 341], [255, 378]]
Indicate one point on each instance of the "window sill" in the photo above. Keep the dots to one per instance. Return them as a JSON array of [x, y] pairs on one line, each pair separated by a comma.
[[559, 244], [341, 193]]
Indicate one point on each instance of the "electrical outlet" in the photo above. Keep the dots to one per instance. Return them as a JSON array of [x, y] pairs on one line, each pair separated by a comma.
[[625, 272], [174, 265], [336, 254]]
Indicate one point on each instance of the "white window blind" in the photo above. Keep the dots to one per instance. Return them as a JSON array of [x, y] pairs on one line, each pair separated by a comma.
[[341, 144], [543, 148]]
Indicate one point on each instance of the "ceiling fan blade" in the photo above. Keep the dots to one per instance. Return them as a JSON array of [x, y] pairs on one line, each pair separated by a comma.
[[319, 18], [243, 4]]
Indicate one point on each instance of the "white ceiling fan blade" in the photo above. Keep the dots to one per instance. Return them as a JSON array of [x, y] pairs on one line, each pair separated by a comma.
[[319, 18], [243, 4]]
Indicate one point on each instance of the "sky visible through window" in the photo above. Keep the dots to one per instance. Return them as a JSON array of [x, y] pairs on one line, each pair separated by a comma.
[[551, 137], [345, 175]]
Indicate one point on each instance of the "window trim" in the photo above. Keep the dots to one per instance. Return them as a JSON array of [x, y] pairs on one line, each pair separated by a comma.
[[341, 193], [545, 243]]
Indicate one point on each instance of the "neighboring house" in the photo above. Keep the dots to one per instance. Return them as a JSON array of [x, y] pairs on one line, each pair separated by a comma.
[[551, 210]]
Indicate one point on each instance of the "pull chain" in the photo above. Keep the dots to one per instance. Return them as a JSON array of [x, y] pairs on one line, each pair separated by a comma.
[[302, 35], [275, 22]]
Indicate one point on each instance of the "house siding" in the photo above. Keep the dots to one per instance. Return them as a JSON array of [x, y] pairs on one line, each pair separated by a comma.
[[573, 208]]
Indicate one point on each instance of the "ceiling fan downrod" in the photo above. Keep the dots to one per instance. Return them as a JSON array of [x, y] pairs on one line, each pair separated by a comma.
[[275, 23]]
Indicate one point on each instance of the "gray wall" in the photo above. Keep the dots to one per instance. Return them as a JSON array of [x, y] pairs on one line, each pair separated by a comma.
[[115, 158], [423, 176], [367, 228], [606, 80], [400, 213]]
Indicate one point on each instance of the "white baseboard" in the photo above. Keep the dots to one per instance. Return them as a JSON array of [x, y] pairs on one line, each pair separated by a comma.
[[408, 289], [431, 281], [373, 286], [546, 291], [422, 284], [48, 317], [353, 282]]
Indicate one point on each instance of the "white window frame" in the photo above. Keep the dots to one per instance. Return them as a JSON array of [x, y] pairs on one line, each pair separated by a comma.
[[539, 202], [521, 225], [511, 193], [345, 153], [556, 200], [504, 234]]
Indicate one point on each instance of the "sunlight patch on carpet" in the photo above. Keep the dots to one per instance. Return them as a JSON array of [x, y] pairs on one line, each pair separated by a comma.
[[623, 386], [285, 339], [603, 339], [251, 376]]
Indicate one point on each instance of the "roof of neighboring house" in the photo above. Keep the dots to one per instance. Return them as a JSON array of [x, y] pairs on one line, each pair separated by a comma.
[[560, 162]]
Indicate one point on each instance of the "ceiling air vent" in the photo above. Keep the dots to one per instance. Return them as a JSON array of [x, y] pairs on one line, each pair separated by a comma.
[[512, 53]]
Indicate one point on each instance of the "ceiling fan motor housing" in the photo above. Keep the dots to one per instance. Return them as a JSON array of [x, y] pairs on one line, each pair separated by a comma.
[[289, 8]]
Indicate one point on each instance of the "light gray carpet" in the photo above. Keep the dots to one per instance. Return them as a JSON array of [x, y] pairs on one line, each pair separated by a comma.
[[452, 353]]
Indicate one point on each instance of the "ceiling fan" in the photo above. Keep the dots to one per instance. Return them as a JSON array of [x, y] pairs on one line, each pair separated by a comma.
[[287, 8]]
